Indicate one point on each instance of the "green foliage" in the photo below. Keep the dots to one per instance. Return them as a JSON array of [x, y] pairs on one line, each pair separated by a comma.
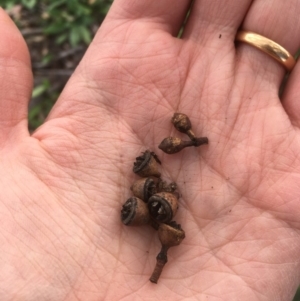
[[42, 102], [7, 4], [65, 20], [68, 20], [53, 28]]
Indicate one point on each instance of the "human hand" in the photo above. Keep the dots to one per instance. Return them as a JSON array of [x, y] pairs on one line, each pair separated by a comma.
[[63, 186]]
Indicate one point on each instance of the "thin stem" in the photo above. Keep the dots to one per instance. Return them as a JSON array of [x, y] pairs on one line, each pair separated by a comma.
[[200, 141], [191, 134], [161, 260]]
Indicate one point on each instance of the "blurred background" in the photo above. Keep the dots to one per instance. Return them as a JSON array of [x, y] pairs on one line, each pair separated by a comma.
[[57, 33]]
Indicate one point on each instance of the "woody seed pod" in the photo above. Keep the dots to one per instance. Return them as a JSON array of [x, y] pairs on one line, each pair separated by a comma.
[[135, 212], [183, 124], [163, 206], [164, 186], [172, 145], [169, 235], [144, 188], [147, 165]]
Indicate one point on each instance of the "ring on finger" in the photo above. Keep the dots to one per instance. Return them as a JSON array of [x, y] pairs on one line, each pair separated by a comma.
[[269, 47]]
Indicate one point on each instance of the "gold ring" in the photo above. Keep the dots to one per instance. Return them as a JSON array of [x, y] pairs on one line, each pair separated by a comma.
[[268, 46]]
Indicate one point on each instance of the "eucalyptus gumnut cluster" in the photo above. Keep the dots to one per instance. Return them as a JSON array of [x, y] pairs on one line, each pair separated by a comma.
[[153, 202], [182, 123]]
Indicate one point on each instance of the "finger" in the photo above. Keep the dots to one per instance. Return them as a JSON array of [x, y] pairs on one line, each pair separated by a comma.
[[277, 20], [291, 96], [15, 79], [209, 20], [167, 15], [210, 32]]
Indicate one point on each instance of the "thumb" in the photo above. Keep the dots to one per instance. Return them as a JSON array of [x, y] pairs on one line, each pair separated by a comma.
[[15, 81]]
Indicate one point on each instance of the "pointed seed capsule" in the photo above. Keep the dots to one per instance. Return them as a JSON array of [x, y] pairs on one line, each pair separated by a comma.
[[183, 124], [147, 165], [163, 206], [170, 235], [144, 188], [135, 212]]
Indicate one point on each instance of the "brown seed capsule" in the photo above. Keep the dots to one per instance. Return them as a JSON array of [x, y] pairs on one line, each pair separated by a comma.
[[169, 235], [172, 145], [183, 124], [144, 188], [200, 141], [147, 165], [163, 206], [135, 212], [164, 186]]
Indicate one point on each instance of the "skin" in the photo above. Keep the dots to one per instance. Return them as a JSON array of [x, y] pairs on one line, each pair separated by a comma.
[[62, 187]]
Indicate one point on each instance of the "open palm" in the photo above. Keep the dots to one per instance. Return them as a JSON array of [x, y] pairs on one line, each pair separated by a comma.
[[63, 186]]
